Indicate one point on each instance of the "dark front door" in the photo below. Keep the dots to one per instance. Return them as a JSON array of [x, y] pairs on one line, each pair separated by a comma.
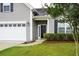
[[43, 30]]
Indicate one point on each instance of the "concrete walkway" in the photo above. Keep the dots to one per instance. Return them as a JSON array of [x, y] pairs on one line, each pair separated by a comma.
[[8, 43], [34, 43], [4, 44]]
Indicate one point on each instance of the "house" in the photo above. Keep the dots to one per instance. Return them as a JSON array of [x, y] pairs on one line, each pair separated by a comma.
[[21, 22]]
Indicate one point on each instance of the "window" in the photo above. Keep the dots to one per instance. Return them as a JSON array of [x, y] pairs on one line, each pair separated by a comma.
[[1, 25], [10, 25], [23, 25], [19, 25], [68, 30], [63, 28], [14, 25], [6, 7], [6, 25]]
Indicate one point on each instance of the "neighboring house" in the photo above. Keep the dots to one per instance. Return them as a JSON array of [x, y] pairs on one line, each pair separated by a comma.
[[22, 22]]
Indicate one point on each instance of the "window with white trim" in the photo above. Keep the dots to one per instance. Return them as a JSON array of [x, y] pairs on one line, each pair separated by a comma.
[[63, 28], [6, 7]]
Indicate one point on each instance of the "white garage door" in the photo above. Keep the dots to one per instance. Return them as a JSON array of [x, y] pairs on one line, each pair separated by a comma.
[[13, 31]]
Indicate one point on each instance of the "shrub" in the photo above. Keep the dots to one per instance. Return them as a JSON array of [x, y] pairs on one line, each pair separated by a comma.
[[69, 37], [78, 36], [49, 36], [59, 36], [52, 36]]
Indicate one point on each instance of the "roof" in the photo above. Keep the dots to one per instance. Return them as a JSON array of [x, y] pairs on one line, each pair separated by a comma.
[[40, 12], [37, 11]]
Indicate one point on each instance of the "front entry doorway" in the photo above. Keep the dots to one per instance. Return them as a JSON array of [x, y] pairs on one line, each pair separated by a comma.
[[41, 30]]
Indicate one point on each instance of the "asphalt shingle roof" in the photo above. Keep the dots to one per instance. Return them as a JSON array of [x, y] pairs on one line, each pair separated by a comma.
[[40, 12]]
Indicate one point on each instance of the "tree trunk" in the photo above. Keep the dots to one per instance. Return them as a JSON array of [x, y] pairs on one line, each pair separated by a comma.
[[76, 40], [76, 45]]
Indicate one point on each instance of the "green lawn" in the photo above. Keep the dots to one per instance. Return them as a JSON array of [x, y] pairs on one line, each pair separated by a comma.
[[45, 49]]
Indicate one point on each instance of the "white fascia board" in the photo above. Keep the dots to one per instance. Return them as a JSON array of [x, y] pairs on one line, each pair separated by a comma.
[[29, 6]]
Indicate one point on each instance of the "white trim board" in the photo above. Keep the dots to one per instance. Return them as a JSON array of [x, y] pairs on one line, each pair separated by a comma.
[[47, 25], [39, 30], [31, 26], [12, 21]]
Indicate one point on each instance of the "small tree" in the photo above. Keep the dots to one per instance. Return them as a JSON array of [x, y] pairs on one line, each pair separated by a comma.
[[70, 13]]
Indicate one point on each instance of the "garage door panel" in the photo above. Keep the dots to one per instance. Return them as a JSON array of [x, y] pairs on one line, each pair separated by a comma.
[[13, 33]]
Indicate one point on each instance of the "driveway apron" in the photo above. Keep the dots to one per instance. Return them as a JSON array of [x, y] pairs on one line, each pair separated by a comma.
[[7, 44]]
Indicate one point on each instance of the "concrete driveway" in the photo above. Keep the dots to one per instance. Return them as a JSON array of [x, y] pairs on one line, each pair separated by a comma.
[[7, 43]]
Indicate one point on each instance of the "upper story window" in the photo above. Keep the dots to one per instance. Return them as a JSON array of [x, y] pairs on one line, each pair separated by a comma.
[[6, 7]]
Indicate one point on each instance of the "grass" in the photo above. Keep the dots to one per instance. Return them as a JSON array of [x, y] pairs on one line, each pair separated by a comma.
[[45, 49]]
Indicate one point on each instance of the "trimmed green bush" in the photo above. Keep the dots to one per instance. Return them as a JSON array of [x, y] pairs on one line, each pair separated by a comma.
[[49, 36], [69, 37], [78, 36], [59, 37]]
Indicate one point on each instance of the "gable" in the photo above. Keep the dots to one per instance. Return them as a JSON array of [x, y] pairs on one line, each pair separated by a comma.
[[20, 12]]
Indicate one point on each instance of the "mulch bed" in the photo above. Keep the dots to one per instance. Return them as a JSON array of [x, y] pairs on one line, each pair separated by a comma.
[[59, 42], [28, 42]]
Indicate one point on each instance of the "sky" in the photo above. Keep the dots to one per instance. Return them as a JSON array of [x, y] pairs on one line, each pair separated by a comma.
[[38, 3], [34, 3]]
